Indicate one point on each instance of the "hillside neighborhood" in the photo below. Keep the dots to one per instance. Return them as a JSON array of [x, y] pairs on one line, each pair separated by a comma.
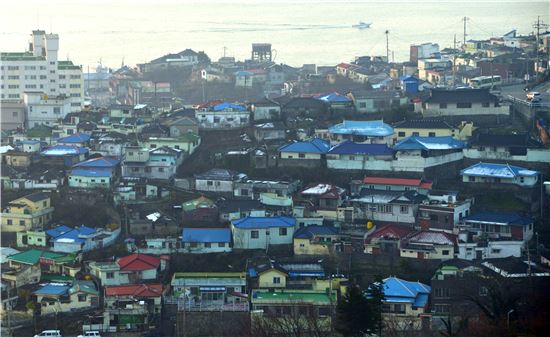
[[194, 197]]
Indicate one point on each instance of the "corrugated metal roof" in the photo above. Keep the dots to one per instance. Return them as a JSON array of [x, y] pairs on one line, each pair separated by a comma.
[[315, 145], [264, 222], [429, 143], [362, 128], [499, 218], [497, 171], [206, 235], [401, 291]]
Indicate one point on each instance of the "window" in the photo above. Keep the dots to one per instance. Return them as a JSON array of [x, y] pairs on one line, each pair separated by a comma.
[[521, 180], [443, 105], [14, 114], [244, 192], [445, 252], [471, 179], [441, 308], [351, 157], [415, 134], [485, 104], [464, 105], [254, 234], [62, 86], [385, 208], [276, 280], [362, 105], [22, 222], [81, 297], [441, 292], [110, 275], [301, 155], [161, 169], [207, 245], [61, 77], [404, 209], [431, 134], [221, 244], [74, 86], [483, 291], [401, 133], [10, 222], [209, 183], [56, 110], [282, 231]]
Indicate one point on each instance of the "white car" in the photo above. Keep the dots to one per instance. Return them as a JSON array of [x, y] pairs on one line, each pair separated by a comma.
[[49, 333], [90, 334], [533, 94]]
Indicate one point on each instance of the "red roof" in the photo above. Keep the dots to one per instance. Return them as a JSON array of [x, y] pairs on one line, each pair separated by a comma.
[[389, 231], [138, 261], [343, 65], [398, 181], [138, 290]]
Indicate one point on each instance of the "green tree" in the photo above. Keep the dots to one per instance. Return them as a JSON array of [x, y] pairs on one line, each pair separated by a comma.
[[360, 312]]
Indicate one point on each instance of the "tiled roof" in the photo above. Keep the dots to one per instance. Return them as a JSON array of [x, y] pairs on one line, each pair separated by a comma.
[[397, 181], [349, 147], [389, 231], [497, 171], [138, 261], [499, 218], [310, 232], [362, 128], [136, 290], [218, 174], [206, 235], [264, 222], [429, 143], [423, 124], [431, 237], [315, 145]]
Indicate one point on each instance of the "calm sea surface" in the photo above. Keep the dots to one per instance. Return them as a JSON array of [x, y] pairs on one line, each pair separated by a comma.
[[301, 32]]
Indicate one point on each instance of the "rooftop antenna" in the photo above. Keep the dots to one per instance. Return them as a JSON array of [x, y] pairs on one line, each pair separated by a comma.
[[224, 51], [387, 32], [465, 19], [122, 64]]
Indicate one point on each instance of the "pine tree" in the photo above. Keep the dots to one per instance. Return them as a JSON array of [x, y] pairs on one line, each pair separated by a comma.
[[360, 312]]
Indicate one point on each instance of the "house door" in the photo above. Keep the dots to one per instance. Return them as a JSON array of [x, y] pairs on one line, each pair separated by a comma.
[[421, 255], [24, 240], [479, 254]]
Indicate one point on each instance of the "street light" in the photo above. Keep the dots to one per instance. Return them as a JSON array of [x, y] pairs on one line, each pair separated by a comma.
[[508, 318]]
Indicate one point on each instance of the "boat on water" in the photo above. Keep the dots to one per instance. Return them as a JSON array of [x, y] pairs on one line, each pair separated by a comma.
[[362, 25]]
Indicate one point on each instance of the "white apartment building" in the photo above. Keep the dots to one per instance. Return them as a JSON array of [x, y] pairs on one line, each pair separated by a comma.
[[44, 109], [40, 70]]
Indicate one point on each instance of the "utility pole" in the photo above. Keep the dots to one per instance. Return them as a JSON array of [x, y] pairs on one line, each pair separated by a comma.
[[387, 32], [465, 19], [538, 25], [454, 61]]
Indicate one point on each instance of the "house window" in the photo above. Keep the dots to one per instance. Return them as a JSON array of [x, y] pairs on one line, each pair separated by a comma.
[[521, 180], [471, 179], [404, 209], [431, 134], [443, 105], [254, 234], [110, 275], [22, 222], [351, 157], [485, 104], [362, 105], [221, 244], [207, 245], [445, 252], [210, 183], [244, 192], [415, 134], [161, 169], [441, 308], [401, 133], [282, 231], [441, 292], [10, 222], [464, 105], [301, 155], [385, 208], [81, 297], [276, 280], [483, 291]]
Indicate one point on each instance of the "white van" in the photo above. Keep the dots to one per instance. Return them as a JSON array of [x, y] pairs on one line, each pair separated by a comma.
[[90, 334], [49, 333]]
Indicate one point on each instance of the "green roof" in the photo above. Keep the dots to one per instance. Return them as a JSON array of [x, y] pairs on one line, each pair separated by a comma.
[[40, 131], [33, 256], [200, 202], [67, 65], [259, 297], [25, 56]]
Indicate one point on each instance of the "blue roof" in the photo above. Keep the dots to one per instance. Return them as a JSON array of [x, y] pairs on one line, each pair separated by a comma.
[[264, 222], [429, 143], [315, 145], [497, 171], [311, 231], [333, 97], [399, 291], [362, 128], [232, 106], [98, 162], [50, 289], [76, 138], [55, 232], [206, 235], [349, 147], [63, 150], [75, 234], [91, 173], [500, 217]]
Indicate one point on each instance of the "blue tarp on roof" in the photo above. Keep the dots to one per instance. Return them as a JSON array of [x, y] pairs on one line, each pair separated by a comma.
[[206, 235], [312, 231], [264, 222], [64, 150], [497, 171], [76, 138], [500, 217], [333, 97], [315, 145], [400, 291], [429, 143], [349, 147], [76, 233], [362, 128], [91, 173], [98, 162], [55, 232], [55, 290], [231, 106]]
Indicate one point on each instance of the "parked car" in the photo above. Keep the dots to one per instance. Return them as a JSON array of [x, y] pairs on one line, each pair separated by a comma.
[[90, 334], [533, 94], [49, 333]]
